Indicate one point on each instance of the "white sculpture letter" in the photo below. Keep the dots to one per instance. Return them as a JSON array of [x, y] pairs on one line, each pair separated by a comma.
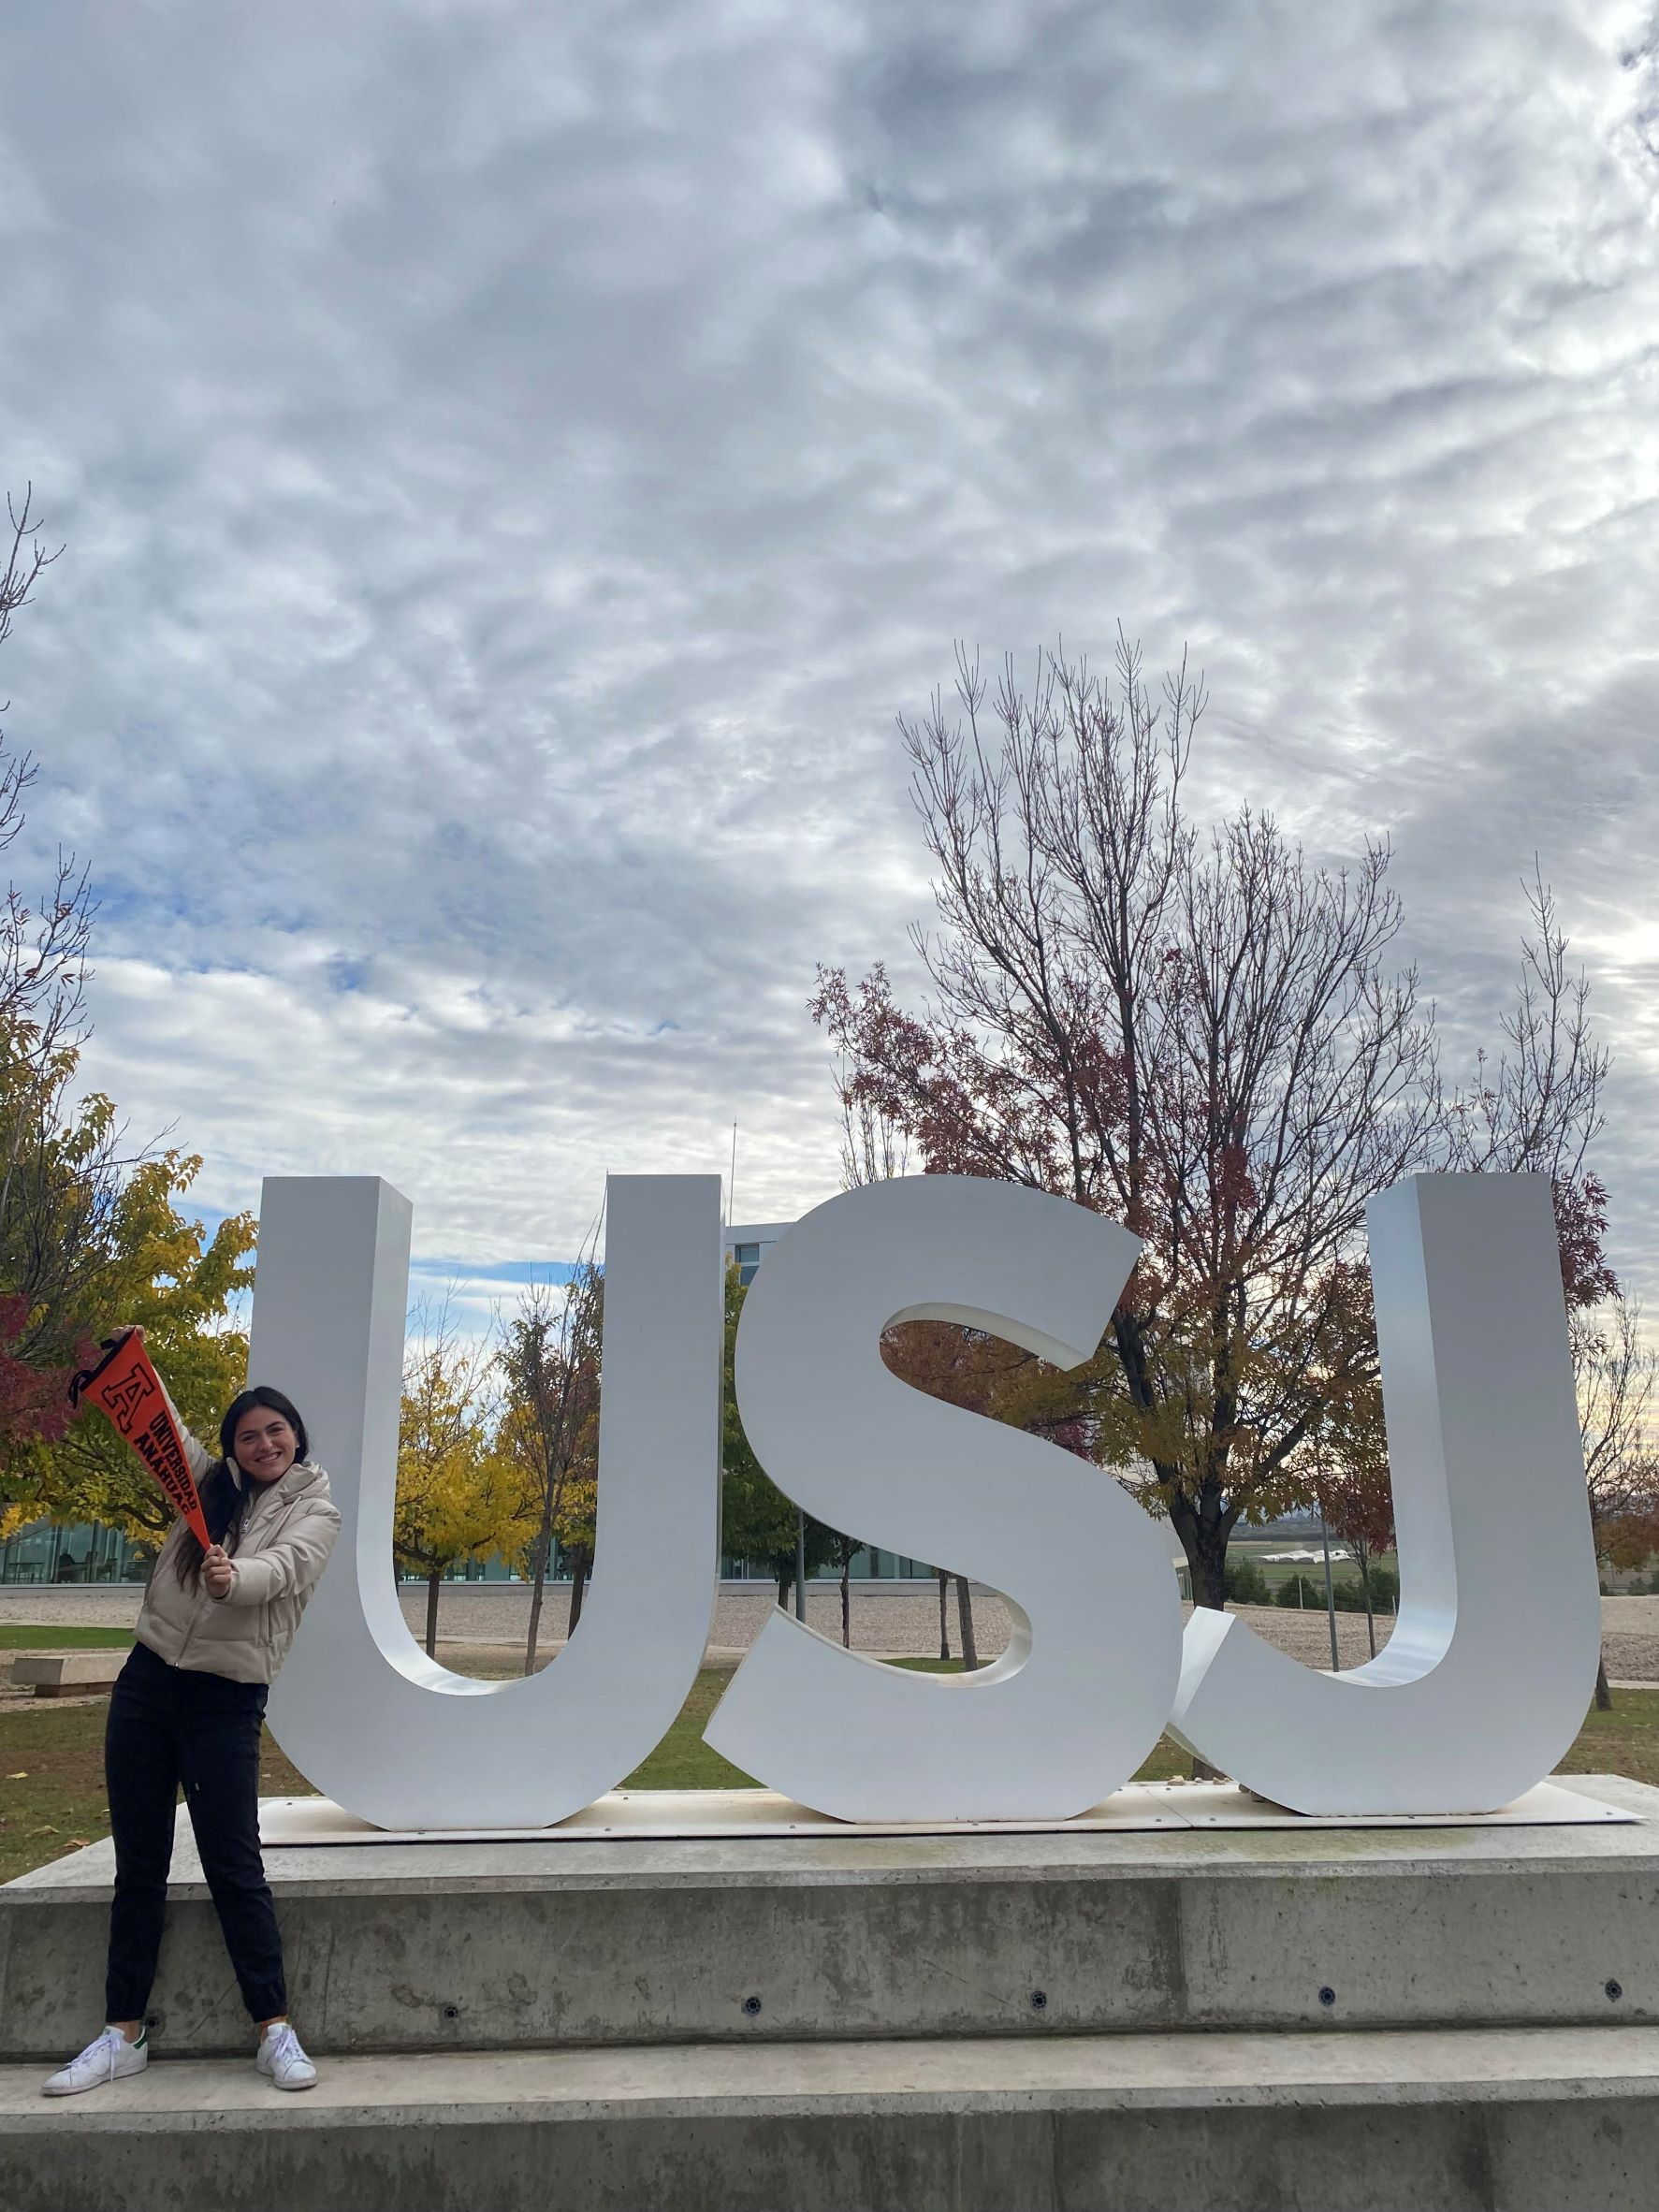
[[1485, 1680], [359, 1707], [1079, 1696]]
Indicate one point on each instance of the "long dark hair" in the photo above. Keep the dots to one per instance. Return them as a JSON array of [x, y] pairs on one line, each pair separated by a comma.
[[224, 1504]]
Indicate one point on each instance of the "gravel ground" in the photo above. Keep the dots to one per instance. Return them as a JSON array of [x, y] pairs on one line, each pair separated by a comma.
[[901, 1617]]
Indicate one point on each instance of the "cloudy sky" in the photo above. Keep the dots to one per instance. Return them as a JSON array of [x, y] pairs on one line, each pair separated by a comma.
[[514, 460]]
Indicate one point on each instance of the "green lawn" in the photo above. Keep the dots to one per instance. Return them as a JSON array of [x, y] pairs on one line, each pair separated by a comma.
[[52, 1764], [23, 1639], [1622, 1741], [682, 1761]]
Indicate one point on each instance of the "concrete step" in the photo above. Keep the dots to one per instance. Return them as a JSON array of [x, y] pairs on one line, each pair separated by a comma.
[[531, 1946], [1472, 2121]]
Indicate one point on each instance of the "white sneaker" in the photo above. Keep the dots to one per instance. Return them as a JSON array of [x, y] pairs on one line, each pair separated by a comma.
[[106, 2060], [280, 2056]]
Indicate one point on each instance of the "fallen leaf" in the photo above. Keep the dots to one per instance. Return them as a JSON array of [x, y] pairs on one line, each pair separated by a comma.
[[23, 1777]]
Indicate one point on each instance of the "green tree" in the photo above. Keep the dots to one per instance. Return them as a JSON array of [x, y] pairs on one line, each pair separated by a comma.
[[758, 1524]]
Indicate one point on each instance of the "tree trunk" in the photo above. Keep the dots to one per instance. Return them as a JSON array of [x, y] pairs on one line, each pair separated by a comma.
[[1209, 1582], [1203, 1529], [434, 1584], [538, 1583], [970, 1654], [1369, 1615], [579, 1567], [1330, 1597], [786, 1582], [944, 1616], [846, 1599], [1604, 1696]]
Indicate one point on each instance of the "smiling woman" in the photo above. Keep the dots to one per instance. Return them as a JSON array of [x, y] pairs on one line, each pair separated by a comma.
[[188, 1709]]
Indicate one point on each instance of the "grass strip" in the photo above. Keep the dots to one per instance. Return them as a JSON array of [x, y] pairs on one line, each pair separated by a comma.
[[52, 1764], [18, 1636]]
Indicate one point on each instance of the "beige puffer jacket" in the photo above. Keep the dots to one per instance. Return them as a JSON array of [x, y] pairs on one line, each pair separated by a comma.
[[287, 1533]]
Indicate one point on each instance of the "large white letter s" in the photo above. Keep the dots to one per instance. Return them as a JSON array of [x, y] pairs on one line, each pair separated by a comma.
[[1081, 1696]]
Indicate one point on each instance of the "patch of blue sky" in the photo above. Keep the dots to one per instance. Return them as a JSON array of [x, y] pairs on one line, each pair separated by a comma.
[[475, 1292], [346, 974], [509, 1273], [121, 898], [474, 1300]]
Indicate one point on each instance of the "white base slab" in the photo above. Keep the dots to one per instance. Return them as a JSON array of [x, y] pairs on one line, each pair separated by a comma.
[[297, 1821]]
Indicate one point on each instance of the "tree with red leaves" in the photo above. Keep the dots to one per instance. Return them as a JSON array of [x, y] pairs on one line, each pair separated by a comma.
[[1199, 1033], [34, 1401]]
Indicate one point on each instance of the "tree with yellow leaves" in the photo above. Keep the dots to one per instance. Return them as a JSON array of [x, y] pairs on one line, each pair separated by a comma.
[[166, 1275], [459, 1497]]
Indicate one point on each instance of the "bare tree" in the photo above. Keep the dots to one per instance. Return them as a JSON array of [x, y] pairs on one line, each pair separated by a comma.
[[1200, 1035], [61, 1169], [43, 951], [1538, 1109], [550, 1363], [1616, 1370], [26, 560]]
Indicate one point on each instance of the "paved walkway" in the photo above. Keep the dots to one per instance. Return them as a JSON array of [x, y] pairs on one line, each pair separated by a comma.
[[890, 1618]]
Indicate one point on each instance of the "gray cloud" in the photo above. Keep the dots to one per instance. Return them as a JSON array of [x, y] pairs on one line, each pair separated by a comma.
[[515, 463]]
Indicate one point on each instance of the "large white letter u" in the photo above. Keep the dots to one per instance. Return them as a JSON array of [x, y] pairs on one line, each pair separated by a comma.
[[359, 1707]]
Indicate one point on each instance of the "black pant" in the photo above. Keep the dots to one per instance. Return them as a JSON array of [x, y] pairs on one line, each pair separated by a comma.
[[169, 1726]]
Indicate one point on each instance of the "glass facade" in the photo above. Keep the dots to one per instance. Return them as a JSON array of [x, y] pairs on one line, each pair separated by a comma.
[[870, 1564], [82, 1553], [85, 1553]]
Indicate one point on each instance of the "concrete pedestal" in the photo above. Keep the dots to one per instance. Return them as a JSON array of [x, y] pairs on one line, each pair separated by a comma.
[[1176, 2017]]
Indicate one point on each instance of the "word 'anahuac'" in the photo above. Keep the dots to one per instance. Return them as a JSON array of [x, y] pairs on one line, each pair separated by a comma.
[[1479, 1690]]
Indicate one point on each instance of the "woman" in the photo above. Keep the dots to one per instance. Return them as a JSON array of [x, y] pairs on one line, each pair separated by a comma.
[[214, 1628]]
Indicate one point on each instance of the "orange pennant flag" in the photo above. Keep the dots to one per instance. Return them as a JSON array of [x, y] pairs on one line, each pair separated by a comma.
[[126, 1386]]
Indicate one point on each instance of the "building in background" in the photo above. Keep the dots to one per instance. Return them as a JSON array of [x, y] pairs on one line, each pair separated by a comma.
[[746, 1247], [82, 1552]]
